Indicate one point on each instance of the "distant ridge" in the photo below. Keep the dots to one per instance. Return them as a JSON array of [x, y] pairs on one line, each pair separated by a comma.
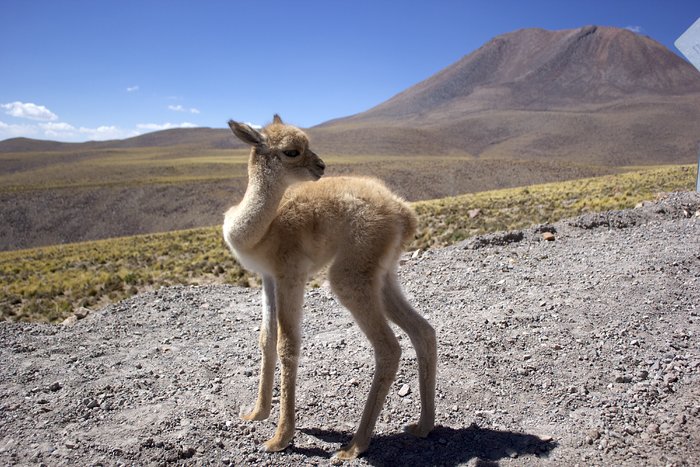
[[206, 138]]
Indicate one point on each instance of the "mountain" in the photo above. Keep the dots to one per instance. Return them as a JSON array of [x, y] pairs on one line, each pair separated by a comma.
[[593, 94], [535, 69]]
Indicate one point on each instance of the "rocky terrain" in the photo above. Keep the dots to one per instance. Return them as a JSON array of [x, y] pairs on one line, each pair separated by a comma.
[[564, 344]]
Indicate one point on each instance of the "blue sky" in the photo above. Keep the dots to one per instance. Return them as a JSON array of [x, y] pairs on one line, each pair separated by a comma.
[[101, 69]]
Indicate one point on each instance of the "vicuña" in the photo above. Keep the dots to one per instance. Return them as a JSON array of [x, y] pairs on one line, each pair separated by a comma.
[[289, 225]]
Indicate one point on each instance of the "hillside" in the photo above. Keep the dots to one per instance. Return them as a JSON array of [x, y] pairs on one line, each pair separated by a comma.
[[47, 284], [581, 350]]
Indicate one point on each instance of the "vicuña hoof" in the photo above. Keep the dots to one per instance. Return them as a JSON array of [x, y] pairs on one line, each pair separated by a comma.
[[274, 445], [418, 430], [349, 452], [254, 414]]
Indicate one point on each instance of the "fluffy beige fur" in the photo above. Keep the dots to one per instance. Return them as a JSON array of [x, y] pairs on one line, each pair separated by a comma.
[[289, 225]]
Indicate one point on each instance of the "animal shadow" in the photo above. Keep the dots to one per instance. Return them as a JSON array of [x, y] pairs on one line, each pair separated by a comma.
[[444, 446]]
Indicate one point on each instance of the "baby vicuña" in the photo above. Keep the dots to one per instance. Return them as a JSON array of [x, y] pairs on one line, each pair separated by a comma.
[[288, 226]]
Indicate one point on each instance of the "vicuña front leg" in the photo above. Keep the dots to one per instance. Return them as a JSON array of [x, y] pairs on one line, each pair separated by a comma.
[[289, 299], [268, 340]]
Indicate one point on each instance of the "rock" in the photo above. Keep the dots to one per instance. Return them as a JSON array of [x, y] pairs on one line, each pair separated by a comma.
[[81, 312], [186, 452], [474, 213], [670, 378], [548, 236], [90, 403], [71, 320], [653, 428], [55, 386], [405, 390]]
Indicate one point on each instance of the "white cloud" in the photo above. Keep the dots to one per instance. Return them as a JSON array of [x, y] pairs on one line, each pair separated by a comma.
[[58, 126], [179, 108], [164, 126], [58, 130], [636, 29], [63, 131], [28, 110], [106, 132], [132, 88], [14, 131]]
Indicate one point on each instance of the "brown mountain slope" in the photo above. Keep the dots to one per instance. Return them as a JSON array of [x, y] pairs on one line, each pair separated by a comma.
[[535, 69], [594, 94]]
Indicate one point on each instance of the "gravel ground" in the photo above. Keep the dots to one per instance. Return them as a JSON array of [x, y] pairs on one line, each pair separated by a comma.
[[582, 350]]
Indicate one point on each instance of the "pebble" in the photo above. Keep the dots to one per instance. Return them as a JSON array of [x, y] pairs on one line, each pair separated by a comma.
[[90, 403], [405, 390], [56, 386]]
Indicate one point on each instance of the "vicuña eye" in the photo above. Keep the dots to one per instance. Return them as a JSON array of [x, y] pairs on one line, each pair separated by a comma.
[[291, 153]]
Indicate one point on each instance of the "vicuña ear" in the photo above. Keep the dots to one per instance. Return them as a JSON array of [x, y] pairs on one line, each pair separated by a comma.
[[247, 134], [277, 119]]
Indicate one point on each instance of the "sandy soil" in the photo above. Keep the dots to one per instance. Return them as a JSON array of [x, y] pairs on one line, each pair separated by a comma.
[[581, 350]]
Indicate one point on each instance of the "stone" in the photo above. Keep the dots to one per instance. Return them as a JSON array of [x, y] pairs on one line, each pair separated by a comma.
[[71, 320], [81, 312], [623, 379], [55, 386], [548, 236], [405, 390]]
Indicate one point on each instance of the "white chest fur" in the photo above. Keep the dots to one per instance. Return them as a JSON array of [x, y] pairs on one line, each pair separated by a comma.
[[245, 259]]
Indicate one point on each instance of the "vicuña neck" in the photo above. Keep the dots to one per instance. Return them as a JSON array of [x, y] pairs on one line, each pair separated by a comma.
[[258, 208]]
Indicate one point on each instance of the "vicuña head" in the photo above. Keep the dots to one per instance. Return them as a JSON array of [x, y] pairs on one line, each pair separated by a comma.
[[282, 149], [290, 224]]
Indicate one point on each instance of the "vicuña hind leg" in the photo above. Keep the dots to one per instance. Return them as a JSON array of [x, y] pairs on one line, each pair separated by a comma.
[[268, 339], [422, 337], [363, 299]]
